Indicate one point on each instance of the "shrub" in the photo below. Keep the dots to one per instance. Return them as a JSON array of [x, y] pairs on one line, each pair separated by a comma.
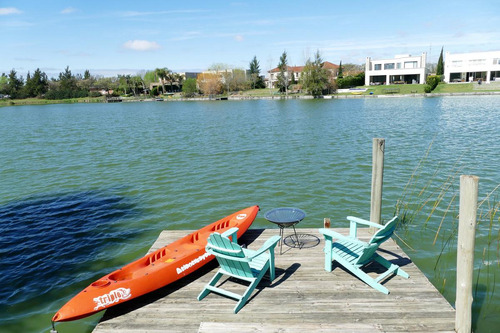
[[351, 81], [432, 82], [189, 88]]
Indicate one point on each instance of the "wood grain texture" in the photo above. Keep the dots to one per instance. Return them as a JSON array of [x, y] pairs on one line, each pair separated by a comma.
[[303, 297]]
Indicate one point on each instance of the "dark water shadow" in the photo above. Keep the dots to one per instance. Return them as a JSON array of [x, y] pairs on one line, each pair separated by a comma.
[[45, 239], [480, 293]]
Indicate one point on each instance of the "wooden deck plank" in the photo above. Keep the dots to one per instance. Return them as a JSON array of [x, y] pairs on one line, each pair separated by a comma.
[[303, 297]]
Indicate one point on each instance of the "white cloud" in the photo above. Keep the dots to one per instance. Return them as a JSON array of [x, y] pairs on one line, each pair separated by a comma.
[[9, 11], [239, 38], [141, 45], [68, 10]]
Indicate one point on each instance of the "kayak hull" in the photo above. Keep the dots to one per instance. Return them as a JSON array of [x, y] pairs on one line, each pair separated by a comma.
[[153, 271]]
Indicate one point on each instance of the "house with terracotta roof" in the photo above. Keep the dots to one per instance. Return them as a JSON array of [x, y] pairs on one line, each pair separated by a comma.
[[296, 72]]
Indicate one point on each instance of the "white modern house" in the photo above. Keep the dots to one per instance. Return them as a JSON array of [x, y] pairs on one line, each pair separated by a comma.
[[402, 69], [469, 67]]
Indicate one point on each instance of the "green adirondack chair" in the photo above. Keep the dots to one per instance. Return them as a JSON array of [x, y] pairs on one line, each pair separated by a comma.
[[239, 263], [353, 253]]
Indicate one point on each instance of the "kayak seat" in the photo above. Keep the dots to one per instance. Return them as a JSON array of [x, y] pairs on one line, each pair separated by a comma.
[[240, 264]]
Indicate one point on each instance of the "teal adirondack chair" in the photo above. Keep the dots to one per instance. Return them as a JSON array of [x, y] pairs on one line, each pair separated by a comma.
[[353, 253], [239, 263]]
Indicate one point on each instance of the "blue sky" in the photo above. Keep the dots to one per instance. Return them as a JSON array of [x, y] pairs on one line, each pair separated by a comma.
[[125, 37]]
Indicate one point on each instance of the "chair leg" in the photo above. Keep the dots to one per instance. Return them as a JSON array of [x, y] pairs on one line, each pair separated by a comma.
[[328, 254], [370, 281], [391, 267], [272, 270], [212, 283], [250, 289]]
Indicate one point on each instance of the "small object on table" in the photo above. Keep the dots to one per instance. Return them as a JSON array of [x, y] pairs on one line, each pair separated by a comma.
[[285, 217]]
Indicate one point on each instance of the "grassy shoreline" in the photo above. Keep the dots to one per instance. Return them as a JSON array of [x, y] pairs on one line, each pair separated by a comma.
[[372, 91]]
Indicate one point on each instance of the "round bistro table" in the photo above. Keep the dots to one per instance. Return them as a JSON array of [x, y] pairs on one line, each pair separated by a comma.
[[285, 217]]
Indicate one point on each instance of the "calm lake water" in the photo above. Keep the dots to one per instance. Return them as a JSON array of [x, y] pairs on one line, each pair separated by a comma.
[[85, 189]]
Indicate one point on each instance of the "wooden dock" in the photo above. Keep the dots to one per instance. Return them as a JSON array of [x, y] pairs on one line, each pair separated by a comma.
[[302, 298]]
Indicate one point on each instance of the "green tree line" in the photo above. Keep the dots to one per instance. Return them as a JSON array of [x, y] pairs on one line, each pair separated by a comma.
[[68, 85], [221, 79]]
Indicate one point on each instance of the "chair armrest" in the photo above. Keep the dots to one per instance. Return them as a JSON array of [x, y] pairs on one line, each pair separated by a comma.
[[357, 220], [233, 233], [268, 245], [330, 235]]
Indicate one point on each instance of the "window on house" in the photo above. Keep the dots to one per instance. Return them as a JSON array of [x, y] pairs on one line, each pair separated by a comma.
[[398, 65], [389, 66], [410, 64], [496, 61], [378, 67]]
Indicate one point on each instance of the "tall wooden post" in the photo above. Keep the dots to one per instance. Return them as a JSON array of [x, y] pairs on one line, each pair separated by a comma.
[[465, 252], [377, 179]]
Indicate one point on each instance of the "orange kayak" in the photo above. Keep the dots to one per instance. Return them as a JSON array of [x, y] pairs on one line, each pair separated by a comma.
[[152, 271]]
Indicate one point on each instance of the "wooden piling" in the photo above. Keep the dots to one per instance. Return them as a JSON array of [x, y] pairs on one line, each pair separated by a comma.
[[465, 252], [377, 179]]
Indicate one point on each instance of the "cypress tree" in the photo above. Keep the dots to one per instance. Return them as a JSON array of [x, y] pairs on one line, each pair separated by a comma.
[[440, 65]]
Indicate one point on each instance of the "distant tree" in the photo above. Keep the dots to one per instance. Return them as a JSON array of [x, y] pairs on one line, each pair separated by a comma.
[[292, 77], [4, 80], [340, 74], [108, 84], [67, 82], [87, 82], [315, 78], [179, 79], [137, 84], [148, 78], [255, 78], [282, 77], [163, 74], [29, 87], [219, 67], [210, 83], [86, 75], [224, 71], [189, 88], [36, 85], [440, 65], [15, 85], [351, 69], [124, 83], [237, 80]]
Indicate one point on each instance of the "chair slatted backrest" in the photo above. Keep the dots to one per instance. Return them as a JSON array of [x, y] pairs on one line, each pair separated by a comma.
[[384, 233], [378, 238], [230, 255]]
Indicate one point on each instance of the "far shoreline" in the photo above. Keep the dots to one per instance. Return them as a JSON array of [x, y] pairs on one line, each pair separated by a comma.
[[34, 101]]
